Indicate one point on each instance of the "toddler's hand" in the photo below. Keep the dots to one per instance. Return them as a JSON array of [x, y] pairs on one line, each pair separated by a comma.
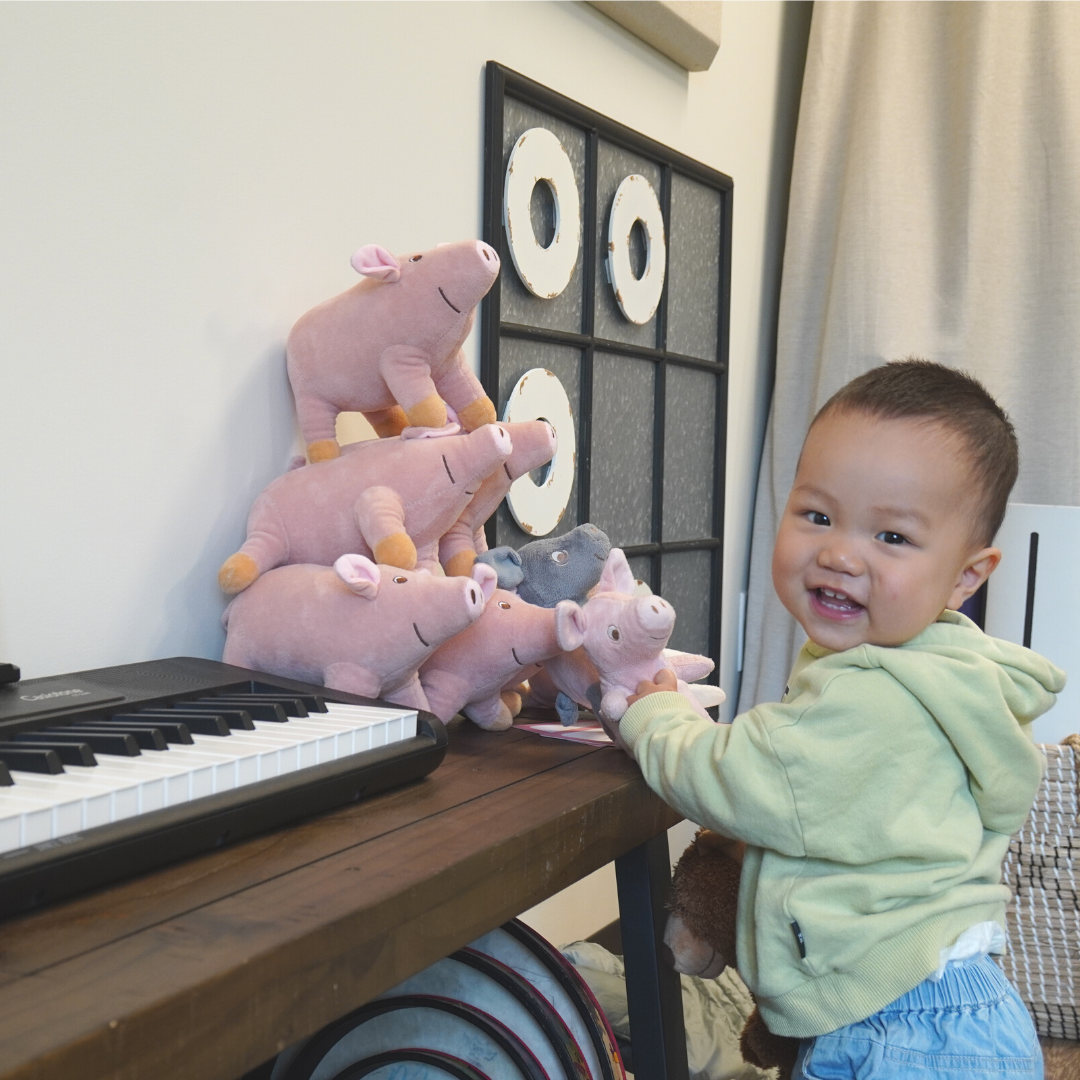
[[666, 682]]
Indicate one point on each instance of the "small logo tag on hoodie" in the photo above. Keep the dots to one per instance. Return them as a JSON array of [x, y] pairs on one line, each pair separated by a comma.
[[801, 941]]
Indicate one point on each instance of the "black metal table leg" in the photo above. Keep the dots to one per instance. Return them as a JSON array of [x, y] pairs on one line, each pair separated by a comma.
[[653, 993]]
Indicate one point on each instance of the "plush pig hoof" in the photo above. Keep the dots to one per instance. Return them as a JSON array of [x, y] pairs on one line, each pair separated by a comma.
[[512, 700], [388, 423], [461, 564], [237, 573], [491, 719], [477, 413], [323, 450], [431, 412], [396, 550]]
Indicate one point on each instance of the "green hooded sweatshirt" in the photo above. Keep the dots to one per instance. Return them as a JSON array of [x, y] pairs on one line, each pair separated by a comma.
[[877, 799]]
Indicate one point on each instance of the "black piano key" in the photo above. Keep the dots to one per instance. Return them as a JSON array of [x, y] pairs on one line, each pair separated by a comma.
[[101, 742], [253, 702], [201, 723], [69, 753], [5, 776], [292, 705], [312, 702], [173, 730], [238, 717], [147, 738], [30, 759]]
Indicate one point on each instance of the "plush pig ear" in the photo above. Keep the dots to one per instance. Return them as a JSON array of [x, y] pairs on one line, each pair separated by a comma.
[[360, 574], [570, 623], [617, 576], [486, 578], [376, 262]]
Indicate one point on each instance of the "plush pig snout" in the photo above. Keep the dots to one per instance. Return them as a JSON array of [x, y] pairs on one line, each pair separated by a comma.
[[489, 255], [655, 615], [474, 598], [502, 439]]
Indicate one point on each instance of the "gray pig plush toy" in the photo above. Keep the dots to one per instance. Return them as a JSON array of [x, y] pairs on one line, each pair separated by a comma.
[[556, 568]]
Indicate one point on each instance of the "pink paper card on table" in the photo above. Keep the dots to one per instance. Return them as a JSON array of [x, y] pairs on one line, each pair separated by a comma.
[[590, 734]]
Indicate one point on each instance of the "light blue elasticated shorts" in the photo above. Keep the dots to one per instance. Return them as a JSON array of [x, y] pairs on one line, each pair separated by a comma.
[[970, 1024]]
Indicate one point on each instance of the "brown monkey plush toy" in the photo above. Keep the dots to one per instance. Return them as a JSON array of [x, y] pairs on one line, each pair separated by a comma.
[[700, 934]]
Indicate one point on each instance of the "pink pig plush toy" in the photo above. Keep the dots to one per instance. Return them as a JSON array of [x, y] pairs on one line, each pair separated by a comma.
[[534, 445], [468, 672], [392, 343], [356, 627], [388, 499], [625, 639]]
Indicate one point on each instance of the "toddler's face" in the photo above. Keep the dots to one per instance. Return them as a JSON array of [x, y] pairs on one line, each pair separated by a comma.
[[876, 540]]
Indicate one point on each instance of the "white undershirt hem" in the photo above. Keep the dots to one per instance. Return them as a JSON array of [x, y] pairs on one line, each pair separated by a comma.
[[977, 940]]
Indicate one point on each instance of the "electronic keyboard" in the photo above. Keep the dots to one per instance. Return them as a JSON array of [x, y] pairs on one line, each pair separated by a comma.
[[108, 773]]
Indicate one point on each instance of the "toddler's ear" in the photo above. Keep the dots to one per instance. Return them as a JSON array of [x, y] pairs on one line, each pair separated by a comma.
[[976, 570]]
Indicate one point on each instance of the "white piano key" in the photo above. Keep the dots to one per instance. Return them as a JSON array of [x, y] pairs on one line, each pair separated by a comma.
[[266, 753], [66, 797], [25, 819], [314, 743], [158, 780]]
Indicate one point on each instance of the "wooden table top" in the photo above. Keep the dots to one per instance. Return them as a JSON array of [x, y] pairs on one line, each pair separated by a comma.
[[205, 969]]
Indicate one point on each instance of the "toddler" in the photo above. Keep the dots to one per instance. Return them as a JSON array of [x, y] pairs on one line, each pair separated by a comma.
[[878, 796]]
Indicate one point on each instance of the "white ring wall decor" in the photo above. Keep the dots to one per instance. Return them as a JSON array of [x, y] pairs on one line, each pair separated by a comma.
[[635, 200], [538, 508], [539, 157]]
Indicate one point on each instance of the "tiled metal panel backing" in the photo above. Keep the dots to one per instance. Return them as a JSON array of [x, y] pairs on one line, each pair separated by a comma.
[[687, 585], [622, 448], [648, 497], [518, 304], [613, 166], [689, 453], [693, 269], [516, 358]]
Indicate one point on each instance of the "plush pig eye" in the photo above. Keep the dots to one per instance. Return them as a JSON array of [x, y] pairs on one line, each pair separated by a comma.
[[613, 633], [560, 557], [400, 579], [504, 605], [415, 258]]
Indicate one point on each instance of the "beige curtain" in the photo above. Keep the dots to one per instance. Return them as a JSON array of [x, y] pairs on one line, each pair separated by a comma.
[[935, 210]]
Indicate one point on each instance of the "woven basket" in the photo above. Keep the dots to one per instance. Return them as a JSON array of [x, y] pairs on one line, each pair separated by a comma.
[[1041, 869]]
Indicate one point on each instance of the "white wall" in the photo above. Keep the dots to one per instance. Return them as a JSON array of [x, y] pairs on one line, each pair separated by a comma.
[[181, 181]]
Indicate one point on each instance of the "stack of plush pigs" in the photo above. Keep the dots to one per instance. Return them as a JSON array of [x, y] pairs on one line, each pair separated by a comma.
[[367, 569]]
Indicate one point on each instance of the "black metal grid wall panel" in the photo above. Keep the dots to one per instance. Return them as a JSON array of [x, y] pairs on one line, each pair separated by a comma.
[[649, 401]]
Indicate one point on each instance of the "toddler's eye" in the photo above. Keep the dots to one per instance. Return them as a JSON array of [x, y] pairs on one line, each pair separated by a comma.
[[815, 517], [891, 538]]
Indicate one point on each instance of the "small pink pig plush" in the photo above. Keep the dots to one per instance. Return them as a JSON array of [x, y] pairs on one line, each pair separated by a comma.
[[388, 499], [356, 626], [625, 639], [534, 445], [468, 673], [392, 343]]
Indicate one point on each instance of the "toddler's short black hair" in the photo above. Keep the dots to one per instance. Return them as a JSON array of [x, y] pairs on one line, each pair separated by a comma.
[[920, 389]]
